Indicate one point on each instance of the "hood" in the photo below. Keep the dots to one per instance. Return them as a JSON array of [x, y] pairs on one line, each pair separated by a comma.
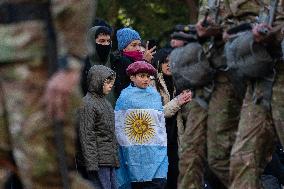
[[92, 50], [96, 77]]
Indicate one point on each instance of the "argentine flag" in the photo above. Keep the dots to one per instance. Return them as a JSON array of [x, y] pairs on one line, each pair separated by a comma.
[[141, 134]]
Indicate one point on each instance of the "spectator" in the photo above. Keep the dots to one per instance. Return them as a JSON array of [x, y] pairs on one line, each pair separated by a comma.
[[99, 47], [172, 104], [141, 132], [96, 129], [129, 51]]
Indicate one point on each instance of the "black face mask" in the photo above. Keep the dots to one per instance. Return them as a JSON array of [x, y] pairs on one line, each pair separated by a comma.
[[103, 51]]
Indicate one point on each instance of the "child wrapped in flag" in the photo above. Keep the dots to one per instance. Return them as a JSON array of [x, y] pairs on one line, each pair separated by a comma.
[[140, 131]]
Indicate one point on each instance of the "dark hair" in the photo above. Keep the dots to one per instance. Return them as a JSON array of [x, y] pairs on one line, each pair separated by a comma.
[[160, 57], [103, 30], [111, 77], [101, 22]]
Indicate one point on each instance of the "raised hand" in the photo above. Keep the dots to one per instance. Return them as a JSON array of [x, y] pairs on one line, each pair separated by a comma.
[[184, 97], [149, 53], [260, 31], [208, 29]]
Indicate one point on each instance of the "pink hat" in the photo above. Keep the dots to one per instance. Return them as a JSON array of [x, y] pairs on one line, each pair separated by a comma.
[[140, 67]]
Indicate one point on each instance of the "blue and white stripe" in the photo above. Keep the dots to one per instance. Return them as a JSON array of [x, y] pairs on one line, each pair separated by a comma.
[[141, 158]]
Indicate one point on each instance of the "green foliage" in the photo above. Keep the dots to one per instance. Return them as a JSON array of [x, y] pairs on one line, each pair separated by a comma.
[[152, 18]]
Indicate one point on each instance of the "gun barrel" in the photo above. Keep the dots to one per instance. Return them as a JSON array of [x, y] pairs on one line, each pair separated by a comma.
[[272, 11], [263, 31], [205, 22]]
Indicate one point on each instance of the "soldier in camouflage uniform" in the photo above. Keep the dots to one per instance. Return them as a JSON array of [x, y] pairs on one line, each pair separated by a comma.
[[256, 136], [191, 69], [224, 106], [277, 101], [193, 146], [26, 128], [225, 103], [214, 135]]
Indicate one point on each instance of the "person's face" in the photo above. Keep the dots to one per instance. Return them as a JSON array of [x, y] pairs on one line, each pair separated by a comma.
[[166, 67], [177, 43], [141, 80], [103, 39], [108, 84], [133, 46]]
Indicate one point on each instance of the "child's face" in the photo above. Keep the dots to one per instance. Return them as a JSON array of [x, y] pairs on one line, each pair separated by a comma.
[[133, 46], [108, 84], [141, 80]]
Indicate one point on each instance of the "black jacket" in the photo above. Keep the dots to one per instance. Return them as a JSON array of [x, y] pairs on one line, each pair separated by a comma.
[[93, 59], [119, 65]]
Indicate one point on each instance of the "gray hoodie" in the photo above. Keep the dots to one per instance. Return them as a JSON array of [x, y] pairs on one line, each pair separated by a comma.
[[96, 124], [92, 51]]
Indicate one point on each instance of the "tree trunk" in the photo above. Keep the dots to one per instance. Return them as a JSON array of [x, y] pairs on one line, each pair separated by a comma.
[[193, 8], [95, 9]]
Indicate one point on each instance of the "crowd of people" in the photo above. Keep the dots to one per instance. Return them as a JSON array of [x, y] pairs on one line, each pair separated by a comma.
[[143, 90], [204, 111]]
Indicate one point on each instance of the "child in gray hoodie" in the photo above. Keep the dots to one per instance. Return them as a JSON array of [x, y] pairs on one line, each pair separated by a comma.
[[99, 147]]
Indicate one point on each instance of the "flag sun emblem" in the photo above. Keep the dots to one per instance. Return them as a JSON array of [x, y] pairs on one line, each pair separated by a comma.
[[139, 126]]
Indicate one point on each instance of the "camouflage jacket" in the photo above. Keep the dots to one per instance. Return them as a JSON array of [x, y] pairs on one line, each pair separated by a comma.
[[26, 38], [234, 12]]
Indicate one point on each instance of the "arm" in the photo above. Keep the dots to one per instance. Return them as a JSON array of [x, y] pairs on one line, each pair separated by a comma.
[[172, 107], [87, 137]]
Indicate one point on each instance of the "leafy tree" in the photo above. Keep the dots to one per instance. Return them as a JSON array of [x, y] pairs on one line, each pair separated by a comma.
[[152, 18]]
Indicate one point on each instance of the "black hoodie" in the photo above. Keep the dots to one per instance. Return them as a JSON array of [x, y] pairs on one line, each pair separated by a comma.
[[92, 59]]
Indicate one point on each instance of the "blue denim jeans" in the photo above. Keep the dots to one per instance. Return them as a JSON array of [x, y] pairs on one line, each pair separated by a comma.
[[104, 178]]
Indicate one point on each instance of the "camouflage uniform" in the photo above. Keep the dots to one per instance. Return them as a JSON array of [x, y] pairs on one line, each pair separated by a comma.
[[277, 102], [223, 113], [216, 131], [193, 147], [253, 145], [256, 136], [222, 124], [191, 69], [225, 103], [26, 129]]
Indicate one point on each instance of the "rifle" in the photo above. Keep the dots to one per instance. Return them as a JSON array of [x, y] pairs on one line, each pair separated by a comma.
[[268, 18], [205, 22], [213, 10]]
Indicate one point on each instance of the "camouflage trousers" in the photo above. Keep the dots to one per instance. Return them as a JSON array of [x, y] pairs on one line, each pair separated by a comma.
[[278, 102], [254, 142], [28, 131], [193, 147], [223, 118], [211, 131]]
